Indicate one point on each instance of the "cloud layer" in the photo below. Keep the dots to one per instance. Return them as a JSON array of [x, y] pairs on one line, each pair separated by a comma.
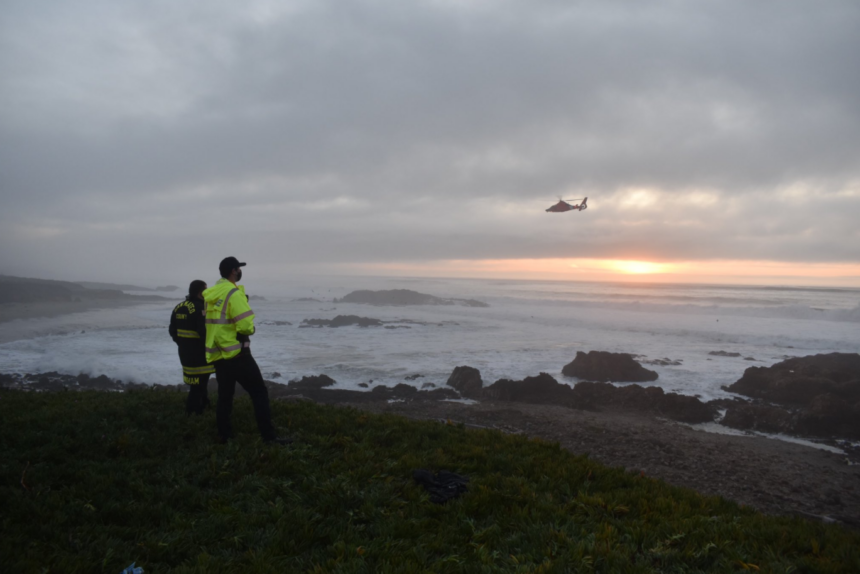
[[322, 132]]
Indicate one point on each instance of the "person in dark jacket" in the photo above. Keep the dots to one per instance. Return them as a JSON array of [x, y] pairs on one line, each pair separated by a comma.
[[188, 330]]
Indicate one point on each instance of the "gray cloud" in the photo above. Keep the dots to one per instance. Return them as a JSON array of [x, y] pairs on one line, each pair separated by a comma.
[[380, 131]]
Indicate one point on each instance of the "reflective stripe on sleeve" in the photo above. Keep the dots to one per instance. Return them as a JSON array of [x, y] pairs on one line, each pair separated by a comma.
[[208, 369], [239, 317], [217, 322], [186, 334]]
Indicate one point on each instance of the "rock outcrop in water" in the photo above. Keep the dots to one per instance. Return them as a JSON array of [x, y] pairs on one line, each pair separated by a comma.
[[797, 381], [608, 367], [540, 389], [316, 388], [342, 321], [544, 389], [818, 395], [467, 381], [399, 297], [683, 408]]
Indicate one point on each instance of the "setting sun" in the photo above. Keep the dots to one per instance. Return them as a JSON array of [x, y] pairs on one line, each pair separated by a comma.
[[638, 267]]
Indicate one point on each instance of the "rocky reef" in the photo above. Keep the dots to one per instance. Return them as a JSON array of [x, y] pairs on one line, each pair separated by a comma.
[[605, 367], [403, 297], [817, 395]]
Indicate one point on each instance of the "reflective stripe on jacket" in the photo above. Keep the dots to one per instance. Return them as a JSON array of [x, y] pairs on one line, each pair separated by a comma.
[[227, 316]]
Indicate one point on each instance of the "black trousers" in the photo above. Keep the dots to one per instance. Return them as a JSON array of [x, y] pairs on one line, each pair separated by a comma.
[[242, 369], [198, 396]]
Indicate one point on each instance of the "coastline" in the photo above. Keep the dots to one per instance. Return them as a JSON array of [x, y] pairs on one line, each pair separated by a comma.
[[44, 310], [772, 476]]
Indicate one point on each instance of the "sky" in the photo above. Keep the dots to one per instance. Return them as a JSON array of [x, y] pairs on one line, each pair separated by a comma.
[[716, 141]]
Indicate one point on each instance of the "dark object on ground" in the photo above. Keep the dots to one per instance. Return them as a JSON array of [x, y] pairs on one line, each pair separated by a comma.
[[342, 321], [724, 354], [604, 367], [467, 381], [279, 441], [403, 297], [413, 377], [442, 487]]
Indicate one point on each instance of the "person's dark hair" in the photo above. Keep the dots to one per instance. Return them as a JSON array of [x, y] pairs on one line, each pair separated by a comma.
[[196, 287]]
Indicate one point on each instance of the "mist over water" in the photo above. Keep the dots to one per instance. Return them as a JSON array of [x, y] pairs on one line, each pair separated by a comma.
[[530, 327]]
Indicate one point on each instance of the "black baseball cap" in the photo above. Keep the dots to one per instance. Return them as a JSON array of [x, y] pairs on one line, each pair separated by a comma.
[[229, 263]]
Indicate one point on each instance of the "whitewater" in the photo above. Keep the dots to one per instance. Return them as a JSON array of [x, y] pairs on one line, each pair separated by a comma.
[[528, 328]]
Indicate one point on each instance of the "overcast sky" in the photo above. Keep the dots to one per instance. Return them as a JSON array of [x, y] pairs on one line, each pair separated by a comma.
[[149, 139]]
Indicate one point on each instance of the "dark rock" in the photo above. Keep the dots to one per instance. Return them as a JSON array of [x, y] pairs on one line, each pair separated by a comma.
[[830, 416], [403, 297], [604, 366], [363, 385], [662, 362], [467, 381], [342, 321], [403, 390], [724, 354], [594, 396], [540, 389], [413, 377], [763, 418], [428, 386], [798, 381], [276, 375]]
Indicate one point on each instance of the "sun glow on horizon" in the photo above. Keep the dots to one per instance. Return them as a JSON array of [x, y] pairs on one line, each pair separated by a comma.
[[580, 269], [637, 267]]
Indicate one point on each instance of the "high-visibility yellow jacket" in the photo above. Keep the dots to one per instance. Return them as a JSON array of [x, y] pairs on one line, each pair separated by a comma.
[[228, 314]]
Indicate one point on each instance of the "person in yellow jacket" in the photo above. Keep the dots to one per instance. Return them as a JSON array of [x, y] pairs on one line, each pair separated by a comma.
[[229, 324]]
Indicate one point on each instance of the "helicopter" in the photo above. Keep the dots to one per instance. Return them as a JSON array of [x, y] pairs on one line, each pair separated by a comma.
[[564, 205]]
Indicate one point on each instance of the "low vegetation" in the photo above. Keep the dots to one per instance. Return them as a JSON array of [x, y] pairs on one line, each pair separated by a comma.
[[91, 482]]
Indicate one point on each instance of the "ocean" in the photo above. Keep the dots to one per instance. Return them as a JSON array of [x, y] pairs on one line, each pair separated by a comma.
[[528, 328]]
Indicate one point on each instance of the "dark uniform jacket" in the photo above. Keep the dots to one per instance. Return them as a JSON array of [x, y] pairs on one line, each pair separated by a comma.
[[188, 330]]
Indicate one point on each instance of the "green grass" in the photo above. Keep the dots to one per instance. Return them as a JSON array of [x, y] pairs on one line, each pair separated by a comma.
[[113, 478]]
